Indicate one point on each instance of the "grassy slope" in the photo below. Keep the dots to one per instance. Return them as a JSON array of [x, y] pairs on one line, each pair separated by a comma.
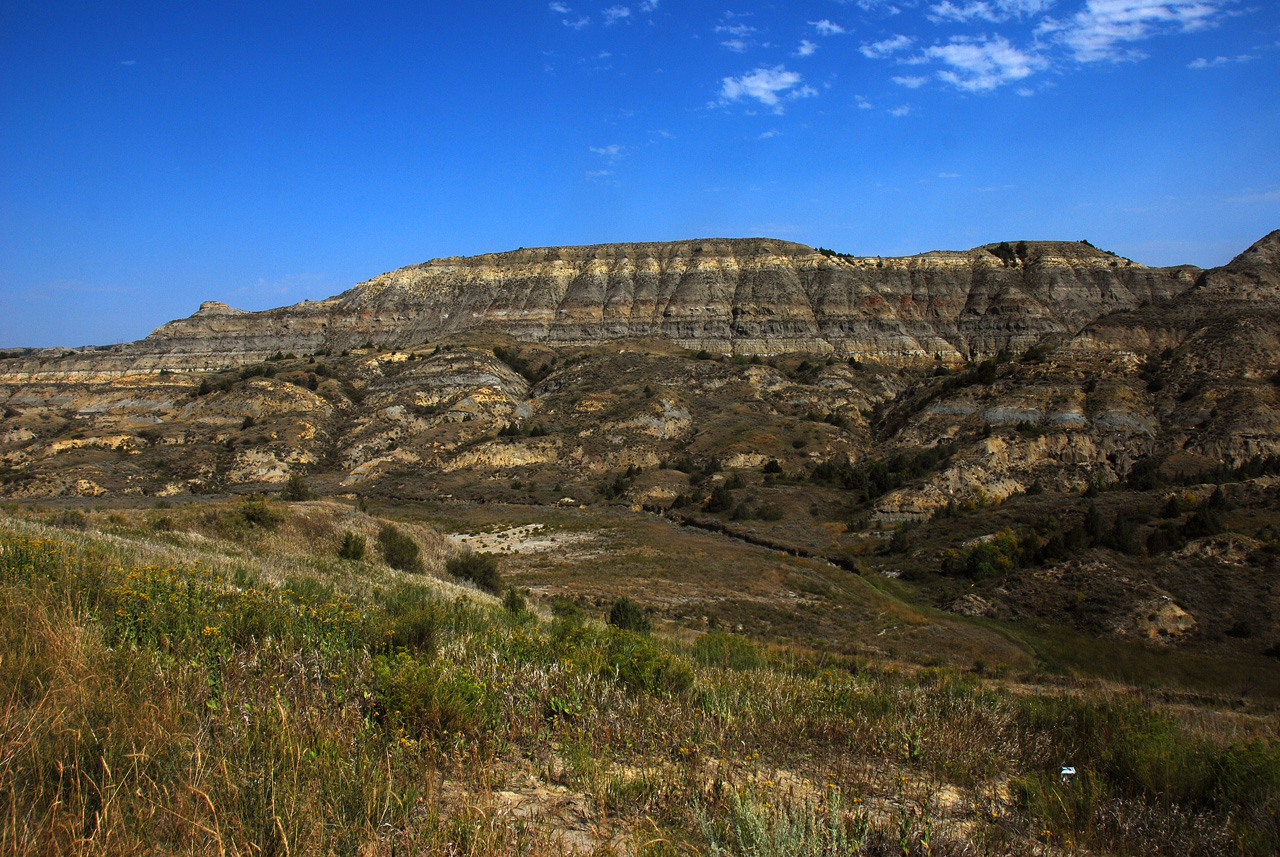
[[272, 699]]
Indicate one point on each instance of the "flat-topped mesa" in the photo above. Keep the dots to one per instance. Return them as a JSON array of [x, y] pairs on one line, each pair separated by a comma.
[[742, 296]]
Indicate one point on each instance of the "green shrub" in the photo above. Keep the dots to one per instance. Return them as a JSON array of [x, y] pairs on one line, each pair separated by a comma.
[[718, 649], [513, 602], [296, 489], [721, 500], [769, 512], [239, 521], [628, 615], [72, 519], [761, 825], [416, 631], [478, 567], [1127, 752], [352, 546], [1205, 522], [638, 663], [430, 699], [563, 608], [399, 550]]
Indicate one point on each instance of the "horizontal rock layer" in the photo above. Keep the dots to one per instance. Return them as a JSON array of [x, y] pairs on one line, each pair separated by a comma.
[[745, 296]]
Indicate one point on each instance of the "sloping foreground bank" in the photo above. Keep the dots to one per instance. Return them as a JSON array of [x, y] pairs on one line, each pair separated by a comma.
[[232, 702]]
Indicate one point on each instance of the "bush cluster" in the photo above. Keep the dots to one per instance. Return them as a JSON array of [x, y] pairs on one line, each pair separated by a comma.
[[478, 567], [629, 616], [399, 549]]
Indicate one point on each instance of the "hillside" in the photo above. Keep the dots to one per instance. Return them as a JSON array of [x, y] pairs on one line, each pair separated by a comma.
[[216, 679], [899, 539], [884, 415]]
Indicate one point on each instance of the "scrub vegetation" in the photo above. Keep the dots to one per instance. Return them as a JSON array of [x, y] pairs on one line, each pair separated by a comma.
[[250, 691]]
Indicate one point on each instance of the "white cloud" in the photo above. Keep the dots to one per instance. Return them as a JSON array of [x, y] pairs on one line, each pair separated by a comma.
[[1257, 196], [982, 64], [766, 85], [911, 82], [770, 134], [596, 174], [128, 62], [872, 5], [1099, 31], [1025, 91], [828, 28], [904, 110], [612, 152], [1201, 62], [576, 23], [863, 104], [986, 10], [559, 7], [614, 14], [740, 35], [948, 175], [885, 47], [648, 5], [806, 48]]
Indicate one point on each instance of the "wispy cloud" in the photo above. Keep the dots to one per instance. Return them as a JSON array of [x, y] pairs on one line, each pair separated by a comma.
[[1101, 31], [128, 62], [806, 48], [982, 64], [576, 23], [948, 175], [612, 152], [911, 82], [561, 8], [648, 5], [899, 112], [863, 104], [1257, 196], [766, 85], [886, 6], [994, 11], [614, 14], [886, 47], [740, 35], [1202, 62], [770, 134], [828, 28]]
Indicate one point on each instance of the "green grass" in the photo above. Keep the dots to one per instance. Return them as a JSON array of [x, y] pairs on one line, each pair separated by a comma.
[[191, 696]]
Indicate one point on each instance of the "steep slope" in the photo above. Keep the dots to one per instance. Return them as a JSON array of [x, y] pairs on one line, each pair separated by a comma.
[[740, 296], [970, 394]]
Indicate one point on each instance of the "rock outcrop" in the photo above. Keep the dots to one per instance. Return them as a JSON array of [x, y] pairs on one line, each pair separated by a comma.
[[740, 296]]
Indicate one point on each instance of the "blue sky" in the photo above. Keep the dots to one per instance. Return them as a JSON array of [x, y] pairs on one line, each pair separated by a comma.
[[156, 155]]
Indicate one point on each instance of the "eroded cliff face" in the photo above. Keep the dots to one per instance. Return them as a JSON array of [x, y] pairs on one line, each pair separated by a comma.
[[829, 398], [738, 296], [1129, 363]]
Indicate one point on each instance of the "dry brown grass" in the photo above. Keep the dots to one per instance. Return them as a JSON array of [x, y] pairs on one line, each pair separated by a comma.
[[170, 709]]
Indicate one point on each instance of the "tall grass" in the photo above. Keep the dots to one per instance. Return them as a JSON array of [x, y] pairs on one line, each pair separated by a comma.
[[253, 704]]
